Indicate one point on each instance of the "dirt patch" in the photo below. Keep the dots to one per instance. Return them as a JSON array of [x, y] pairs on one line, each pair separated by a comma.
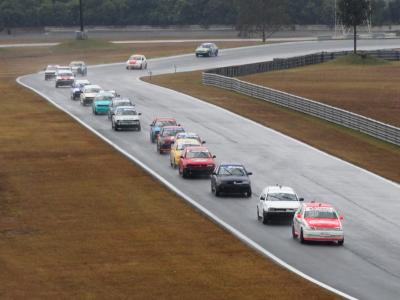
[[79, 220], [368, 90], [369, 153]]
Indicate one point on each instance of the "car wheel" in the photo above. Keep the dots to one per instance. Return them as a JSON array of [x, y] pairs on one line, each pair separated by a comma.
[[264, 218], [139, 128], [174, 164], [340, 243], [56, 85], [258, 214], [185, 173], [217, 192], [248, 193], [294, 235], [302, 237], [216, 53]]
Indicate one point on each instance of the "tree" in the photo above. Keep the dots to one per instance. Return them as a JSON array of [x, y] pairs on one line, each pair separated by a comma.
[[353, 13], [261, 16]]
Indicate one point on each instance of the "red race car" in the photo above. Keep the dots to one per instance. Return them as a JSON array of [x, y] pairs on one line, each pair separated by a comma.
[[159, 123], [167, 137], [196, 161], [315, 221]]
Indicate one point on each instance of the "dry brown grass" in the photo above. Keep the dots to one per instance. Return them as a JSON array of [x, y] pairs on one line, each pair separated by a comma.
[[369, 90], [79, 220], [366, 152]]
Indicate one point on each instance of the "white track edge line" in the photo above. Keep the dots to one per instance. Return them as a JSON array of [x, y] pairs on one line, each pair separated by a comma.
[[205, 211]]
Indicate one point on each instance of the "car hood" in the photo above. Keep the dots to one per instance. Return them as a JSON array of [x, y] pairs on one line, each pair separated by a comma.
[[126, 118], [283, 204], [233, 178], [92, 95], [102, 102], [202, 49], [324, 223], [200, 161]]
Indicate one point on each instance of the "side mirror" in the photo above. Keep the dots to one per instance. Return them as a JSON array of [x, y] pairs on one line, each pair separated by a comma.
[[301, 199], [139, 114], [341, 217], [178, 125], [203, 142], [214, 156], [249, 173], [181, 156], [213, 173], [298, 216]]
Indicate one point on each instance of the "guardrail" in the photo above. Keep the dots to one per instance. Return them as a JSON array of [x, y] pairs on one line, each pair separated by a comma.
[[336, 115], [297, 61]]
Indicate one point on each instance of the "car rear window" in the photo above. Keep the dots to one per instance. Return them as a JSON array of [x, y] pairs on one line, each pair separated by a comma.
[[320, 213], [281, 197], [198, 154], [166, 123]]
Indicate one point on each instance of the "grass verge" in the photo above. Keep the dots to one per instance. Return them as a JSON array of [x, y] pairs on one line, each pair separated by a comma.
[[368, 86], [79, 220], [369, 153]]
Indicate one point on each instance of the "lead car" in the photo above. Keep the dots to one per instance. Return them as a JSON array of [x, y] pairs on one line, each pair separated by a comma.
[[315, 221]]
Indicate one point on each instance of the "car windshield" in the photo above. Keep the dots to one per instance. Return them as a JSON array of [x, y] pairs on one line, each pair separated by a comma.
[[126, 112], [51, 68], [281, 197], [182, 146], [135, 57], [232, 171], [76, 64], [320, 213], [105, 97], [198, 154], [122, 103], [165, 123], [92, 90], [205, 46], [171, 132], [65, 74]]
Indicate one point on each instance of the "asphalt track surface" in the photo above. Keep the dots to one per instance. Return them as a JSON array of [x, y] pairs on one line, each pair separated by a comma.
[[366, 267]]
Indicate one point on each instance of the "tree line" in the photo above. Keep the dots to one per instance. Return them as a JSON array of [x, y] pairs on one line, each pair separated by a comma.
[[35, 13]]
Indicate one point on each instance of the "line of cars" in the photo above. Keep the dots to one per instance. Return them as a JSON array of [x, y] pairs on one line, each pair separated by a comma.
[[310, 221], [121, 111]]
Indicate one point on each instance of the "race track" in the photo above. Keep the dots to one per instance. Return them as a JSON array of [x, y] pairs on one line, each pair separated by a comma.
[[366, 267]]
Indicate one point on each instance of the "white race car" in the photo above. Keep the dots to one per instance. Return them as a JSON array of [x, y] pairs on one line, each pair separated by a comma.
[[136, 61], [88, 94], [317, 222], [277, 201], [125, 117]]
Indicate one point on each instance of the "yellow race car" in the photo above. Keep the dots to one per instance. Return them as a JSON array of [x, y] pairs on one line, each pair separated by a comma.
[[178, 147]]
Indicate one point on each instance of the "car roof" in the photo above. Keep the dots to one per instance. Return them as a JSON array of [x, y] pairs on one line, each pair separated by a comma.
[[231, 164], [188, 141], [127, 107], [279, 189], [172, 127], [164, 119], [91, 86], [317, 204], [198, 148], [82, 81]]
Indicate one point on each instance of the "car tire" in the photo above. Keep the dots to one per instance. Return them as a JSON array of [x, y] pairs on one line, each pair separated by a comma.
[[294, 235], [248, 193], [217, 192], [340, 243], [139, 128], [302, 237], [264, 218], [258, 214], [216, 53], [185, 173]]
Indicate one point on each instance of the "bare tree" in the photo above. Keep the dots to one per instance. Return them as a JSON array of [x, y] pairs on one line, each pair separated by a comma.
[[353, 13]]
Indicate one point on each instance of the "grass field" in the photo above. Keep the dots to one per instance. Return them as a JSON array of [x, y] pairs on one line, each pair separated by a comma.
[[369, 87], [369, 153], [79, 220]]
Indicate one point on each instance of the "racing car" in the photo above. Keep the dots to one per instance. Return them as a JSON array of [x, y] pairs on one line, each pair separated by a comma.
[[78, 68], [207, 49], [231, 178], [64, 78], [196, 161], [77, 88], [316, 221], [101, 102], [167, 137], [126, 117], [50, 72], [159, 123], [177, 149], [88, 94], [136, 61]]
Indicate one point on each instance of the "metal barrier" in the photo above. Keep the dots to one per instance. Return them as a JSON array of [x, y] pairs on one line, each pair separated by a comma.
[[339, 116]]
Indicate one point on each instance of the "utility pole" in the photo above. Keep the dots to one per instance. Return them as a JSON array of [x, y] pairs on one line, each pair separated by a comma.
[[81, 35], [81, 14]]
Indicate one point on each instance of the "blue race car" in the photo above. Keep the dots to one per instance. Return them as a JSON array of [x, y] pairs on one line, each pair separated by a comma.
[[102, 101], [77, 88]]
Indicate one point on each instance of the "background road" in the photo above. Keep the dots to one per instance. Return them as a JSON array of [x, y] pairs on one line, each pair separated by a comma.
[[367, 266]]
